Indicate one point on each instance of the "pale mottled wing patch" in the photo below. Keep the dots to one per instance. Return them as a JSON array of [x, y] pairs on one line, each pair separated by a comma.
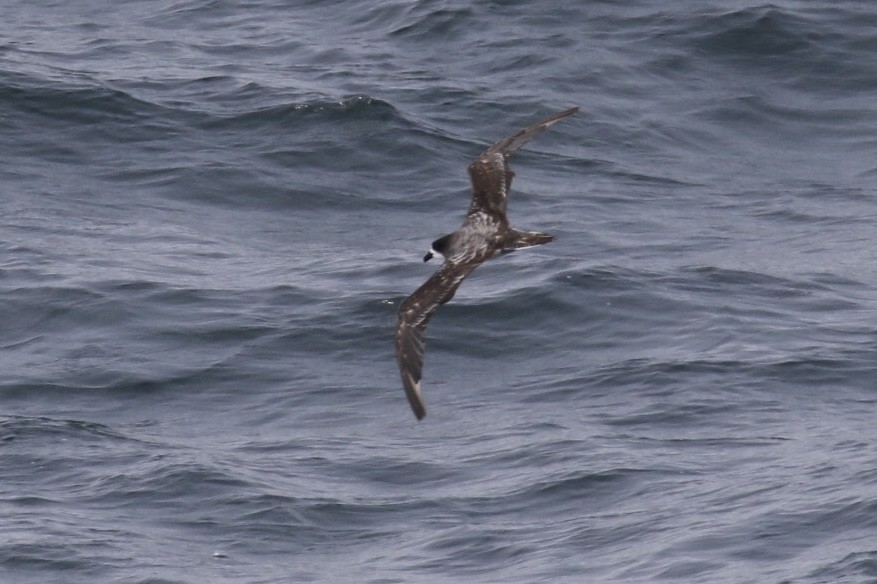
[[491, 182], [414, 314]]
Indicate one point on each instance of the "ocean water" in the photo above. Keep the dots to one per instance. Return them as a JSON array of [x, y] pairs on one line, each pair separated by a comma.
[[210, 211]]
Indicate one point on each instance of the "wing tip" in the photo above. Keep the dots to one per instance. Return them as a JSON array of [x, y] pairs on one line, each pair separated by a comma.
[[561, 115], [415, 397]]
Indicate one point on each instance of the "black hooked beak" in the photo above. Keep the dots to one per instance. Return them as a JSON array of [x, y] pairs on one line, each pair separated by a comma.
[[427, 257]]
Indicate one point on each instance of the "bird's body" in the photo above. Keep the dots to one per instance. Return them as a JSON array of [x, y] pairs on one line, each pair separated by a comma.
[[484, 234]]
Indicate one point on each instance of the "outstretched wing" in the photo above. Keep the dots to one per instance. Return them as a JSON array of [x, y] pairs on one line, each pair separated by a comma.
[[415, 312], [490, 172]]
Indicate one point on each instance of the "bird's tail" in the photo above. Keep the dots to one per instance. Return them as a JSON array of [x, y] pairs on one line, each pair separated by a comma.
[[521, 239]]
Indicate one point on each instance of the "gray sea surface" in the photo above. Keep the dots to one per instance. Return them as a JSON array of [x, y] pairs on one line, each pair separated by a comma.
[[210, 211]]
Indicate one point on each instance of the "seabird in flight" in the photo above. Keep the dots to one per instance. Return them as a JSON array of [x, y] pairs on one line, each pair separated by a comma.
[[485, 233]]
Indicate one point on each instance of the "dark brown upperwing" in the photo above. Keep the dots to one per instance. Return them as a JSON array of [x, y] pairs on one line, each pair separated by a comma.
[[414, 314], [490, 173]]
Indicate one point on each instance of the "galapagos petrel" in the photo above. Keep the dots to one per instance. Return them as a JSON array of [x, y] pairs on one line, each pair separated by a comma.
[[485, 233]]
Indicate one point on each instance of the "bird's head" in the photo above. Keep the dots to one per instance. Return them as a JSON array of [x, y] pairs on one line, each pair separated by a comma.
[[438, 248]]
